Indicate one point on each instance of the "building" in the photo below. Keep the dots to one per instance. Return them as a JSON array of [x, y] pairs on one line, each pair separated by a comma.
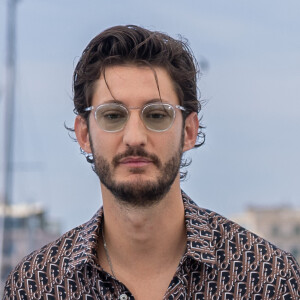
[[25, 228], [279, 225]]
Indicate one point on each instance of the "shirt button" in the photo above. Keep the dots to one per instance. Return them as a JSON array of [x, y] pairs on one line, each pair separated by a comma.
[[123, 297]]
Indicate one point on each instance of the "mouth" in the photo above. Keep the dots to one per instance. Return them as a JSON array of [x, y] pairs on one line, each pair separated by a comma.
[[135, 161]]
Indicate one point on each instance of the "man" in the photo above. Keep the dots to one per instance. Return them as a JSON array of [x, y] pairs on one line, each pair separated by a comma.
[[135, 97]]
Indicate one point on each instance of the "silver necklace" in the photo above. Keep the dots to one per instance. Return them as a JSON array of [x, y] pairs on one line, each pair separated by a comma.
[[107, 254], [120, 296]]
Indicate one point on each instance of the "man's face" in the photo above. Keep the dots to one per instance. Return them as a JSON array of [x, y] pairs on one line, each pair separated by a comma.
[[136, 165]]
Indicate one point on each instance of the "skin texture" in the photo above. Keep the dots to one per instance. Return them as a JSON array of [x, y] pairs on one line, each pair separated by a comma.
[[145, 241], [146, 192]]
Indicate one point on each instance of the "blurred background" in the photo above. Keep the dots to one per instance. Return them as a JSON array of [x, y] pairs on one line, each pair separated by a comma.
[[249, 167]]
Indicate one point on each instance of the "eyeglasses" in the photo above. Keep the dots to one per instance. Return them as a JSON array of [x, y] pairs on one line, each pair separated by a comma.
[[112, 117]]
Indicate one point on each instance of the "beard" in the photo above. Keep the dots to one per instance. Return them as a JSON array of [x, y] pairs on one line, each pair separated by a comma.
[[139, 193]]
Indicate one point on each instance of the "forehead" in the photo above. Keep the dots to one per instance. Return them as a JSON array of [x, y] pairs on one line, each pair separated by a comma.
[[134, 85]]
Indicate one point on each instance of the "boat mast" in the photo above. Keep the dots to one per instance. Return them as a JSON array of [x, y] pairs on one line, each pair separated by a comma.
[[9, 102]]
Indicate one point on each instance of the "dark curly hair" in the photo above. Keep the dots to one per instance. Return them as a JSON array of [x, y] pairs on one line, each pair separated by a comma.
[[132, 44]]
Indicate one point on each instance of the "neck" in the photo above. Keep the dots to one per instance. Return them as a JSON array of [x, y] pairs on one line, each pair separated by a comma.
[[153, 234]]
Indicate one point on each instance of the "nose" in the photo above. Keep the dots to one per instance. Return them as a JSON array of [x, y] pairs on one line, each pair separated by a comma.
[[135, 132]]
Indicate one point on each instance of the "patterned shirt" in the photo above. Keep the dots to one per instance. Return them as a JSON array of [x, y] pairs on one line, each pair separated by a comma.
[[222, 261]]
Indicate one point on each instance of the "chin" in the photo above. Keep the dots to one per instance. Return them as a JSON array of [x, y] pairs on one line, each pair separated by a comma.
[[136, 177]]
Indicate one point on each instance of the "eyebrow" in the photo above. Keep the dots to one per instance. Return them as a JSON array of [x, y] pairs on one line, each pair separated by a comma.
[[154, 100]]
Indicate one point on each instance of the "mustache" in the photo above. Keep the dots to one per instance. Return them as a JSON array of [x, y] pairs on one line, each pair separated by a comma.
[[136, 151]]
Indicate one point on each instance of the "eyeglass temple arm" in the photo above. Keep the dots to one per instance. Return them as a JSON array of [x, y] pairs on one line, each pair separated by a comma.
[[89, 108], [180, 107]]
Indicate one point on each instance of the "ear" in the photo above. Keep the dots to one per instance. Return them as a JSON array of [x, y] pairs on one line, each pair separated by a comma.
[[82, 134], [190, 131]]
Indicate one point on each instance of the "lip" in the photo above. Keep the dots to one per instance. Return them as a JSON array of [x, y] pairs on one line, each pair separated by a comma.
[[135, 161]]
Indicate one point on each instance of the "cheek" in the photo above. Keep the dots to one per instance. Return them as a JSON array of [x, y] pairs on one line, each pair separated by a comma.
[[177, 135], [170, 142], [104, 144]]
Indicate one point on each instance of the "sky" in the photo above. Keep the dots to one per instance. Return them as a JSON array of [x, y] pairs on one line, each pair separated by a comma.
[[250, 85]]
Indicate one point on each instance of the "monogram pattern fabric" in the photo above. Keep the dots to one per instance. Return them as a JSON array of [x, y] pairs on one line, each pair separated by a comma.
[[222, 261]]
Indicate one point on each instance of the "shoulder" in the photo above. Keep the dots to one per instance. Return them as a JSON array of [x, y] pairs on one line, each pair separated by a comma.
[[45, 268], [52, 259], [241, 256]]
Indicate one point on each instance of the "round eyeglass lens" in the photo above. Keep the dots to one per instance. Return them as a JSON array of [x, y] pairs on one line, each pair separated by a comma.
[[111, 117], [158, 117]]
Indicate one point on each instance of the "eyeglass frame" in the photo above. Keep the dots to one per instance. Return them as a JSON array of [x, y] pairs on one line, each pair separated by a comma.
[[90, 108]]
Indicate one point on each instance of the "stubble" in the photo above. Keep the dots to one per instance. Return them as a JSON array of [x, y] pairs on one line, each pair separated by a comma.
[[141, 192]]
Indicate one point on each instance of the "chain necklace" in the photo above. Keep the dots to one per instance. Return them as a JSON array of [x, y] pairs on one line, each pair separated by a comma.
[[106, 253], [120, 296]]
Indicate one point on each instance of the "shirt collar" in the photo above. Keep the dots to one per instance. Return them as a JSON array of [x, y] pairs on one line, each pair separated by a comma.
[[201, 242], [200, 238], [84, 248]]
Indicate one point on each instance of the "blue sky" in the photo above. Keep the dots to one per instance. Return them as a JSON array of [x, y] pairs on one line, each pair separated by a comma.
[[252, 90]]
